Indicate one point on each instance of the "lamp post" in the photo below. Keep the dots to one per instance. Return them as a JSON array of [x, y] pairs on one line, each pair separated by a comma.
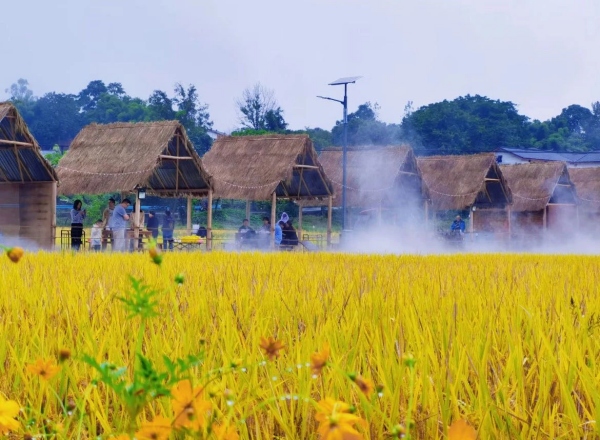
[[344, 82]]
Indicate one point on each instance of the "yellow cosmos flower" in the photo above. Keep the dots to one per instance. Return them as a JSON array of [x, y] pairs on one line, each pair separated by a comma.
[[158, 429], [188, 406], [225, 432], [319, 359], [340, 426], [365, 385], [9, 409], [15, 254], [45, 369], [271, 347]]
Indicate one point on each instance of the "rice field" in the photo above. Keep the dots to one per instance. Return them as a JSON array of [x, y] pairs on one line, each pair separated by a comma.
[[303, 346]]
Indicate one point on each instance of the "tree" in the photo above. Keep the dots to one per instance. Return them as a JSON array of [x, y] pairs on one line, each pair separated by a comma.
[[468, 124], [55, 119], [364, 128], [90, 96], [160, 106], [194, 116], [258, 109], [20, 92]]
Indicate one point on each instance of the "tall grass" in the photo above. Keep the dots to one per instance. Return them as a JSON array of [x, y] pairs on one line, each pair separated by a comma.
[[508, 342]]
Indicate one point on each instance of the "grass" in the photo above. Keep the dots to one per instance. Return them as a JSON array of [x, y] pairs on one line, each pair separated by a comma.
[[507, 342]]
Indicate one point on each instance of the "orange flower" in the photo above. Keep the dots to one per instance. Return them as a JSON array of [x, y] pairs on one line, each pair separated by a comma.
[[155, 254], [15, 254], [121, 437], [225, 432], [271, 347], [319, 359], [157, 429], [335, 421], [188, 406], [45, 369], [365, 385], [9, 409], [461, 430]]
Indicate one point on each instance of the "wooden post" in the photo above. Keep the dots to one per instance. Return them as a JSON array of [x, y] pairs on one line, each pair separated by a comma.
[[509, 210], [544, 219], [273, 218], [329, 209], [471, 223], [136, 221], [53, 217], [248, 205], [209, 221], [425, 202], [300, 222], [189, 215]]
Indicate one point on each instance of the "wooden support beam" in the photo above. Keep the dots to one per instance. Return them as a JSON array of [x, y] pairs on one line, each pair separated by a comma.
[[471, 222], [16, 143], [426, 203], [509, 214], [329, 215], [189, 215], [489, 179], [248, 206], [300, 222], [136, 223], [165, 157], [544, 217], [209, 221], [53, 217], [273, 218], [310, 167]]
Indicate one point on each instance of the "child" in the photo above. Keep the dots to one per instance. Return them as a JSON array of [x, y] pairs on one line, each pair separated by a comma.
[[96, 237]]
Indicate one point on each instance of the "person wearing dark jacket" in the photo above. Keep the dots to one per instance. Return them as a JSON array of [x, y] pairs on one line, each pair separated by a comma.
[[152, 224], [167, 230], [290, 237]]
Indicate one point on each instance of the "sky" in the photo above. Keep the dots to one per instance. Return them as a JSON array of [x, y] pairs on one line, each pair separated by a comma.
[[540, 54]]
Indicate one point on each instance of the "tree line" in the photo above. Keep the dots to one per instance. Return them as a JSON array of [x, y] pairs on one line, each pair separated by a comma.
[[467, 124]]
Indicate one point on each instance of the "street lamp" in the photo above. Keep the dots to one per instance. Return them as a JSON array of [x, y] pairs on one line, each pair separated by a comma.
[[344, 82]]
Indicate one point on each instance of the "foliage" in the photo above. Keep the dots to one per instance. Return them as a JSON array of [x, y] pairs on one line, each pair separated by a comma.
[[258, 109], [365, 129]]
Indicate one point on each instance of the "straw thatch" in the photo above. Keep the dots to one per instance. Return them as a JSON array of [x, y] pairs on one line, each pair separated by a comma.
[[534, 185], [21, 159], [587, 186], [385, 175], [253, 167], [121, 157], [459, 182]]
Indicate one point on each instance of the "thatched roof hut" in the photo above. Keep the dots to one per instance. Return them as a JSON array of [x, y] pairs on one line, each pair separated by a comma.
[[587, 185], [459, 182], [255, 167], [121, 157], [27, 183], [537, 184], [374, 177]]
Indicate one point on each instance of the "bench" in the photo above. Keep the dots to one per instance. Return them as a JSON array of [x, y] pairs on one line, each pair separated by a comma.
[[309, 246]]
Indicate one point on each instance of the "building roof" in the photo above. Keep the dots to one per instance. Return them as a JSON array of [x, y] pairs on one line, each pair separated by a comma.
[[21, 159], [253, 167], [373, 175], [587, 185], [458, 182], [541, 155], [121, 157], [534, 185]]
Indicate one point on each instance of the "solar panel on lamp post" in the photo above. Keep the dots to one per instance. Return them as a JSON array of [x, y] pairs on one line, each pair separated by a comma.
[[344, 82]]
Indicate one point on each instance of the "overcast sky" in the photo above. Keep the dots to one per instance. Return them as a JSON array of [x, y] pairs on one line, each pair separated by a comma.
[[541, 54]]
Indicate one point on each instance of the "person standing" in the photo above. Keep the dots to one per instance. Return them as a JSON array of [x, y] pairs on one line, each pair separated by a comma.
[[152, 224], [118, 225], [96, 236], [106, 234], [77, 218], [167, 230]]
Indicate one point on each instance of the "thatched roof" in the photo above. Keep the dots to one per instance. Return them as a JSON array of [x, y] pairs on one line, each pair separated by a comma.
[[21, 159], [253, 167], [121, 157], [534, 185], [458, 182], [374, 176], [587, 185]]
